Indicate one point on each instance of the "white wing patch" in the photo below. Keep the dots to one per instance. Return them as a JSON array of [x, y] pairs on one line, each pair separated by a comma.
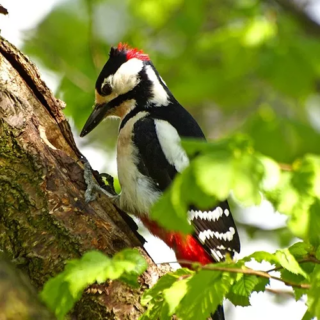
[[207, 215], [169, 140], [224, 248], [217, 255], [160, 97], [226, 236]]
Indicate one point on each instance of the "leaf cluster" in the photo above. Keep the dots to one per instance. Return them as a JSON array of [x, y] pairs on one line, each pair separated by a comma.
[[62, 292], [197, 294]]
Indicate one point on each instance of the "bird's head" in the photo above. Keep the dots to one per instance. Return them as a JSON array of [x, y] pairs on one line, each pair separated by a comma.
[[127, 81]]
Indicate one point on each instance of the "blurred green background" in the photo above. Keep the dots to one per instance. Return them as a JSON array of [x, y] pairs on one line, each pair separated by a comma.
[[238, 66], [246, 66], [250, 66]]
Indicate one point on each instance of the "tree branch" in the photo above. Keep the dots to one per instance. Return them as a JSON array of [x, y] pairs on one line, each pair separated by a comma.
[[308, 259], [249, 271], [281, 292]]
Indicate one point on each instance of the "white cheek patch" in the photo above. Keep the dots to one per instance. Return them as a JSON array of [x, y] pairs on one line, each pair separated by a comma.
[[160, 96], [127, 76]]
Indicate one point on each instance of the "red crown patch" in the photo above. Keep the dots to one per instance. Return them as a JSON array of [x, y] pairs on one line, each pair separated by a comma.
[[132, 52]]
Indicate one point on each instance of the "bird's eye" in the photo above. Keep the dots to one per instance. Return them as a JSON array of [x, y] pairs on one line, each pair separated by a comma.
[[106, 89]]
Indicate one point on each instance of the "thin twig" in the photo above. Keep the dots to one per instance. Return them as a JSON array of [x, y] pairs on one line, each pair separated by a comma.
[[281, 292], [285, 166], [309, 259], [249, 271]]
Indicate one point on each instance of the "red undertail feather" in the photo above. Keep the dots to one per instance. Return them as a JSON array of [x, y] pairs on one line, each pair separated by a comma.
[[133, 52], [185, 247]]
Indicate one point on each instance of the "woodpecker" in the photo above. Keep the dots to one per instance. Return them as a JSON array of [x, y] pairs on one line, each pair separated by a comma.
[[149, 154]]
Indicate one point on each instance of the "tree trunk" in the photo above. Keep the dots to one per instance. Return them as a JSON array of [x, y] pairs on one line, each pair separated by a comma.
[[44, 219], [18, 299]]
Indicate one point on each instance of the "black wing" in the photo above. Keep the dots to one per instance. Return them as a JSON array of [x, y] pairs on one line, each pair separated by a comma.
[[214, 228]]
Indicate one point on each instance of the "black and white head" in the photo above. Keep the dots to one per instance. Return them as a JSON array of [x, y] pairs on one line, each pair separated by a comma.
[[127, 81]]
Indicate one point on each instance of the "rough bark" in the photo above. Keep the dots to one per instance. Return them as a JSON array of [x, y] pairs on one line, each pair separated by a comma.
[[44, 219]]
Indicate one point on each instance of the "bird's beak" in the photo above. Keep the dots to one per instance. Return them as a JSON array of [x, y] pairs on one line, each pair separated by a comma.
[[99, 112]]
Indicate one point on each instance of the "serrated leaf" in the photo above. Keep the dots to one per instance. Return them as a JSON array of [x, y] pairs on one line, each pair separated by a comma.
[[300, 249], [307, 316], [288, 261], [235, 170], [169, 211], [211, 167], [298, 293], [153, 312], [174, 295], [245, 285], [164, 283], [261, 285], [242, 289], [314, 223], [313, 293], [137, 267], [294, 278], [296, 194], [206, 291], [260, 256], [307, 176], [238, 300], [61, 292], [158, 306], [232, 163], [272, 173]]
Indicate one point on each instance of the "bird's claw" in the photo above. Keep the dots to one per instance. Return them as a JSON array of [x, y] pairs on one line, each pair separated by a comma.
[[94, 186]]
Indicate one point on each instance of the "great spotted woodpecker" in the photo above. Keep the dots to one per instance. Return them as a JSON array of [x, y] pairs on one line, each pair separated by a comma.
[[149, 153]]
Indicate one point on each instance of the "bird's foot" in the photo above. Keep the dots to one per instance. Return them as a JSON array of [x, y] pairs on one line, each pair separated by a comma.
[[92, 186]]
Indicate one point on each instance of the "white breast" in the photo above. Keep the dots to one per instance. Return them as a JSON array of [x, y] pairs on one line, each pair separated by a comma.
[[138, 193]]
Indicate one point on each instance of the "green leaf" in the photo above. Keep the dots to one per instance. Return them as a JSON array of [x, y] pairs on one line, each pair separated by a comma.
[[294, 278], [261, 285], [174, 294], [245, 285], [288, 261], [163, 283], [297, 195], [307, 316], [63, 291], [238, 300], [242, 289], [134, 263], [260, 256], [169, 212], [298, 293], [232, 163], [318, 253], [159, 296], [314, 224], [300, 249], [206, 290], [313, 293]]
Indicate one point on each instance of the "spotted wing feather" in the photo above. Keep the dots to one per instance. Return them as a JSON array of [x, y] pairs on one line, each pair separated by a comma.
[[216, 230]]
